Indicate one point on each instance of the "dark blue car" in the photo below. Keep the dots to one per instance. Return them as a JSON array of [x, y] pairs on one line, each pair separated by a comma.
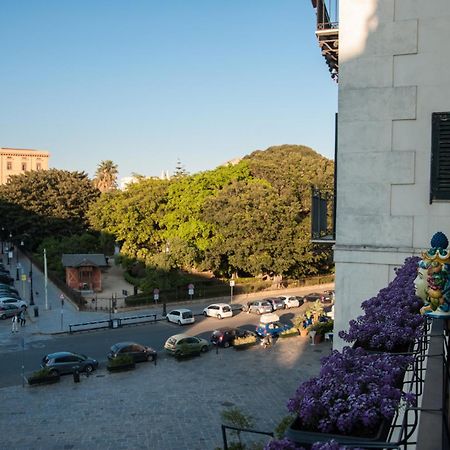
[[272, 328]]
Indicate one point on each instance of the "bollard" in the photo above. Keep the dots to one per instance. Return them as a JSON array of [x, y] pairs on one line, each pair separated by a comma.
[[76, 375]]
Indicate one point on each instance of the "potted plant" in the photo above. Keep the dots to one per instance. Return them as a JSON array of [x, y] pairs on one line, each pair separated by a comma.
[[120, 363], [349, 401], [300, 324], [241, 343], [319, 329], [315, 309], [43, 376]]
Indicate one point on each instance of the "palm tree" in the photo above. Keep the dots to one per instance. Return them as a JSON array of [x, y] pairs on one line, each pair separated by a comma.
[[105, 179]]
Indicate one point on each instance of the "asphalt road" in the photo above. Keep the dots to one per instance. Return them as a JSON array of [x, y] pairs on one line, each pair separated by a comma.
[[96, 344]]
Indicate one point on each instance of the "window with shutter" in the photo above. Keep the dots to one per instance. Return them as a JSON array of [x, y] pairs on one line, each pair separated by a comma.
[[440, 157]]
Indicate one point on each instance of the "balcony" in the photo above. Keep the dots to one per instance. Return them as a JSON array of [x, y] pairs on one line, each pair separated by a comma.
[[327, 32]]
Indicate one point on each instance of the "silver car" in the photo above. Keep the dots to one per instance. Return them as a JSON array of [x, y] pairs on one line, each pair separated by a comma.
[[68, 362], [258, 307], [7, 300]]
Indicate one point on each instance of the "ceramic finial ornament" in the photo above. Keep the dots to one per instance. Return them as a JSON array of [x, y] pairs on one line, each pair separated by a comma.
[[433, 278]]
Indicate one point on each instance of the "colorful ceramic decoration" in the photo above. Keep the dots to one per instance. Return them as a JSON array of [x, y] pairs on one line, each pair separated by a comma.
[[433, 278]]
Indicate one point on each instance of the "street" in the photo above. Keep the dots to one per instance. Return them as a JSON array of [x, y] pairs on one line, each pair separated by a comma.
[[97, 343]]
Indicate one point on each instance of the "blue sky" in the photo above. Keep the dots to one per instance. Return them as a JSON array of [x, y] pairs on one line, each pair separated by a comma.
[[145, 83]]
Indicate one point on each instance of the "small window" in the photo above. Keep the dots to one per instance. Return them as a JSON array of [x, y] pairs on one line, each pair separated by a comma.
[[440, 157], [8, 165], [38, 166], [24, 166]]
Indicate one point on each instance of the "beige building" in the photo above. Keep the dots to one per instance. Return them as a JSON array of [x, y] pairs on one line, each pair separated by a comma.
[[15, 161]]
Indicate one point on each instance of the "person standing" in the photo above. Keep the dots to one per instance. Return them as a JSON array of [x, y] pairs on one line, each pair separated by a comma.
[[15, 320], [22, 318]]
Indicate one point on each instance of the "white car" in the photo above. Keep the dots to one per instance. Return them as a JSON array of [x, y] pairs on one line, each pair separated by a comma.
[[291, 301], [219, 310], [14, 301], [180, 316]]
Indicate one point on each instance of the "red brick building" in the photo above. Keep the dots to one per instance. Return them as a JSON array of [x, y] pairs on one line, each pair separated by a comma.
[[84, 271]]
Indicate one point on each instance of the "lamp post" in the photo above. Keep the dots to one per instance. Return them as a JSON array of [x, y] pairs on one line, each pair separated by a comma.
[[31, 283], [27, 238], [3, 237]]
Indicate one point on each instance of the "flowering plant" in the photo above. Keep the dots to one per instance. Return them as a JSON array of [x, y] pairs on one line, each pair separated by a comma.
[[391, 321], [353, 393], [286, 444]]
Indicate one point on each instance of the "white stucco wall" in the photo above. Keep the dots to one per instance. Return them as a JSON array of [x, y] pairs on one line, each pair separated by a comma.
[[393, 74]]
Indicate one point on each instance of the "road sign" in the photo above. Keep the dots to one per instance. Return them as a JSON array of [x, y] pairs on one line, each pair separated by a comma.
[[24, 277], [191, 291], [231, 283]]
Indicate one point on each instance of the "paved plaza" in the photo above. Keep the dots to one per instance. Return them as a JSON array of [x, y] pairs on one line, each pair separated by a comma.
[[175, 405]]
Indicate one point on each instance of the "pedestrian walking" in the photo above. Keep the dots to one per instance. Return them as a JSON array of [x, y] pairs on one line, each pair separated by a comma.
[[15, 320], [22, 318]]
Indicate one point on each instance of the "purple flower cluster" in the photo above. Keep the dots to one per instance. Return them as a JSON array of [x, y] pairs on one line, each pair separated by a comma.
[[391, 320], [286, 444], [354, 391]]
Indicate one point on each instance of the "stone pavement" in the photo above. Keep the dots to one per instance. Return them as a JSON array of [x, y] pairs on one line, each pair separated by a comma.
[[175, 405]]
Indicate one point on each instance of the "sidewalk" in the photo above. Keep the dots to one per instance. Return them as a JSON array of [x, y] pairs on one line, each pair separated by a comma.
[[53, 318]]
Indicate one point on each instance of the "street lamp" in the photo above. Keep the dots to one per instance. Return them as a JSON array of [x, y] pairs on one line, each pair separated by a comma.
[[31, 273], [3, 237]]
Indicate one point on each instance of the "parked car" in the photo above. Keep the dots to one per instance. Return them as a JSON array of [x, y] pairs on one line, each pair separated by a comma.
[[270, 324], [258, 307], [327, 296], [13, 301], [6, 293], [313, 297], [68, 362], [224, 337], [219, 310], [180, 316], [276, 302], [7, 310], [184, 345], [137, 351], [6, 278], [9, 288], [292, 301]]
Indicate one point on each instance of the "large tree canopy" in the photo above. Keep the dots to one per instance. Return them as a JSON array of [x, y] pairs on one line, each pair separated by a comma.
[[252, 217], [46, 203], [133, 216]]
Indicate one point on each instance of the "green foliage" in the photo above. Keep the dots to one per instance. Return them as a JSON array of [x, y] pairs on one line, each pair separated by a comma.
[[252, 218], [121, 360], [244, 340], [46, 203], [133, 216], [41, 373], [236, 418], [289, 332], [322, 327], [315, 307], [284, 424], [56, 246], [105, 179]]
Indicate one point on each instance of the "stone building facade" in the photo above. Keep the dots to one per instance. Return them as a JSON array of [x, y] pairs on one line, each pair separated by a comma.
[[15, 161], [393, 84]]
